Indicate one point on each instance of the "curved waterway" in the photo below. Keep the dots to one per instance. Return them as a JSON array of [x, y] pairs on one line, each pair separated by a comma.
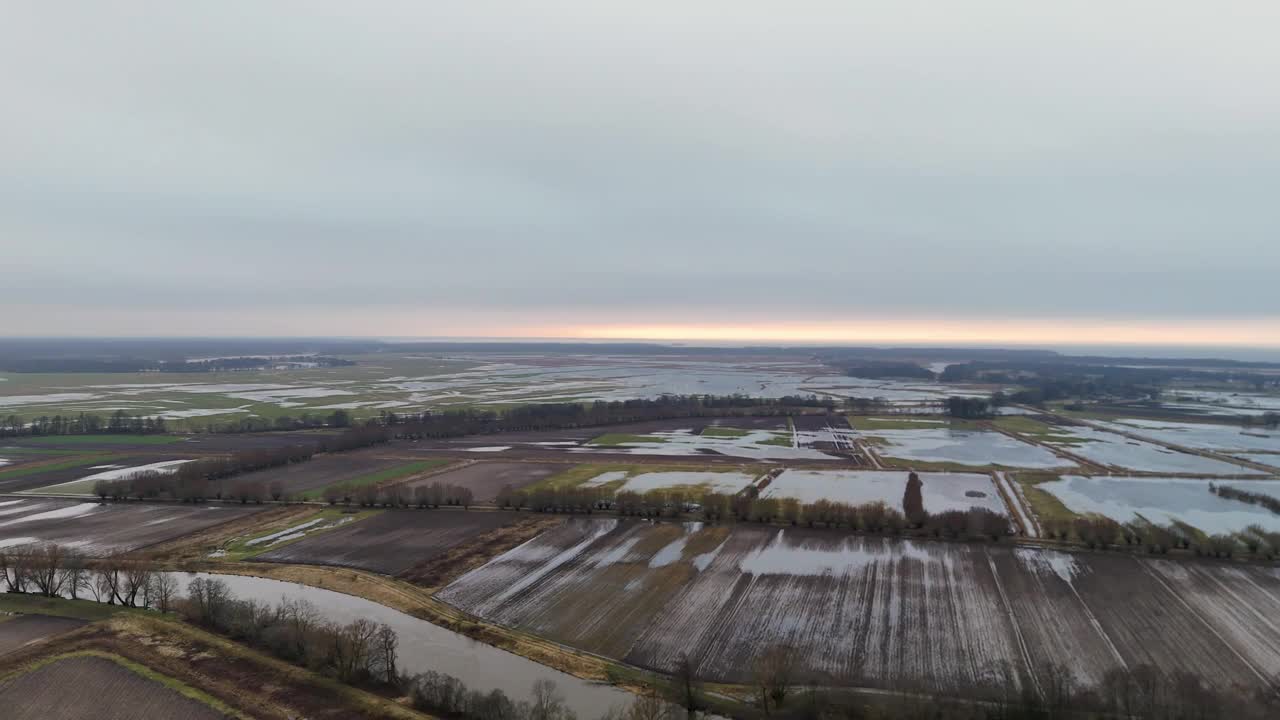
[[425, 646]]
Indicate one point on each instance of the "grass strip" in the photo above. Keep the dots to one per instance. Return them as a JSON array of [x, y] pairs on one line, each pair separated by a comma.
[[89, 610], [724, 432], [612, 439], [382, 476], [69, 463], [105, 439]]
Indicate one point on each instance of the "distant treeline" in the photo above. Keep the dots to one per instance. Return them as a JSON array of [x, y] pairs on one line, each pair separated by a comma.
[[29, 364], [971, 408], [1060, 379], [887, 369], [123, 423], [202, 480], [1231, 493], [560, 416], [1102, 533], [119, 422], [748, 506]]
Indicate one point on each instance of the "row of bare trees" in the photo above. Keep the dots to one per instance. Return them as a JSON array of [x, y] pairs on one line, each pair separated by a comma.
[[785, 688], [55, 571], [447, 696], [357, 652], [400, 495], [552, 416], [1102, 533], [208, 478]]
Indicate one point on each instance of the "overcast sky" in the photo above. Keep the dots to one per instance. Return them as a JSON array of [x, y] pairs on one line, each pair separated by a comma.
[[992, 169]]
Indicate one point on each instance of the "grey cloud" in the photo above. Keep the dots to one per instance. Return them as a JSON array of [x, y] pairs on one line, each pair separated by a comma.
[[828, 158]]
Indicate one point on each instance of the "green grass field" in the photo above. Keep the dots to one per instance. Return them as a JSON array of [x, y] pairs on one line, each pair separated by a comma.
[[860, 422], [73, 462], [776, 441], [579, 474], [1045, 505], [1036, 430], [725, 432], [382, 476], [59, 440], [612, 439]]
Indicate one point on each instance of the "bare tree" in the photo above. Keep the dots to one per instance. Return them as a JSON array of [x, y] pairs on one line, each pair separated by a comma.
[[137, 581], [548, 702], [685, 686], [76, 576], [775, 674], [650, 706], [110, 571], [385, 646], [163, 590], [301, 618], [46, 569], [351, 648]]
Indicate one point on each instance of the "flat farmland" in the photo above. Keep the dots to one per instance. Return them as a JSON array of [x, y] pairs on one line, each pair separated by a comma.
[[485, 479], [52, 470], [100, 529], [875, 612], [94, 687], [391, 542], [24, 629], [318, 473]]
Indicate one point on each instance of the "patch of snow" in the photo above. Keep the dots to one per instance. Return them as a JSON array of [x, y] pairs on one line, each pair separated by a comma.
[[285, 532]]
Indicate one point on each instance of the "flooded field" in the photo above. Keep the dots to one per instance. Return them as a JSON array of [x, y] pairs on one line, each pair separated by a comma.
[[392, 541], [112, 471], [721, 482], [1110, 449], [873, 611], [1164, 500], [1202, 436], [424, 646], [409, 382], [99, 529], [965, 447], [941, 491], [749, 444]]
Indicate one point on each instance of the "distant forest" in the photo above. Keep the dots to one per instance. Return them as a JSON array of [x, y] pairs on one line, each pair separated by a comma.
[[34, 364]]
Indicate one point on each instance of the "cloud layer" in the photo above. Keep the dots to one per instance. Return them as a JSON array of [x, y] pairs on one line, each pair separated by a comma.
[[435, 167]]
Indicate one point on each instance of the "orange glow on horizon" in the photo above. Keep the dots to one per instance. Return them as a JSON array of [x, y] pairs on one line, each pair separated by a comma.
[[1259, 333]]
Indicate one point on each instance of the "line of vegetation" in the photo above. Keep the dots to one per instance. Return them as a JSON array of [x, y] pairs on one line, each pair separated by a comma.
[[1252, 498], [202, 480], [376, 479], [437, 495], [561, 416], [747, 506], [34, 364], [69, 463]]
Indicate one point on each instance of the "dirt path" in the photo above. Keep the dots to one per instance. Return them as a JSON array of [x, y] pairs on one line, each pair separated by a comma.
[[1013, 498]]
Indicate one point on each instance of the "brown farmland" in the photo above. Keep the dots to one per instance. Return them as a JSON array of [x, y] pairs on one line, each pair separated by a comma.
[[104, 528], [485, 479], [391, 542], [29, 628], [94, 687], [319, 472], [66, 469], [876, 612]]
